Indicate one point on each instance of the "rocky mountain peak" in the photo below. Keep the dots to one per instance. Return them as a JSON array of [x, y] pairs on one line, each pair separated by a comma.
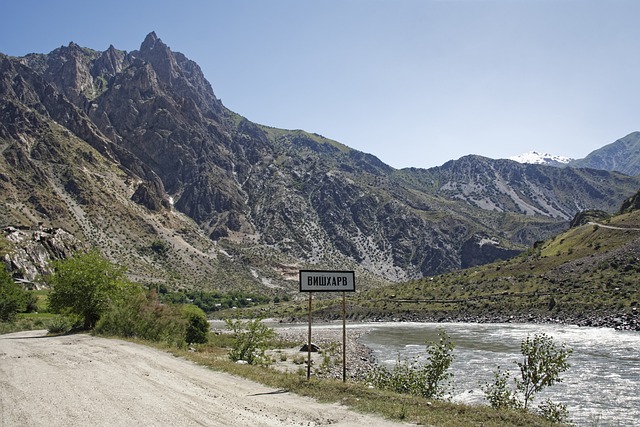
[[150, 42], [124, 149], [539, 158]]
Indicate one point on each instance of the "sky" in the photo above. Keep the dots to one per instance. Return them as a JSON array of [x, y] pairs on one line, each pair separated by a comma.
[[414, 82]]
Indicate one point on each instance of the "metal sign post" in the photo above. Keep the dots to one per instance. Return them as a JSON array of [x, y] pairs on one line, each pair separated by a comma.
[[344, 337], [328, 281], [309, 341]]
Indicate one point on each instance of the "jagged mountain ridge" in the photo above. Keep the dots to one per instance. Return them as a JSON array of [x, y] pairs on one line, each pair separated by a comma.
[[167, 161]]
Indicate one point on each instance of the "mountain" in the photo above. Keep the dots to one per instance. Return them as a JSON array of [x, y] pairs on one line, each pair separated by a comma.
[[622, 155], [586, 275], [132, 152], [535, 158]]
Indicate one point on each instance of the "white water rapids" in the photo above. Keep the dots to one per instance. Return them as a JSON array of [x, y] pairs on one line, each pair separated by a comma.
[[601, 388]]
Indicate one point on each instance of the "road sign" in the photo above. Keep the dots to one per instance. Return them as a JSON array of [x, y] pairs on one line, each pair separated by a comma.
[[327, 281]]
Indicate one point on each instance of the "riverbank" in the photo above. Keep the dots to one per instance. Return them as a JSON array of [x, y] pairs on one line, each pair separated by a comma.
[[327, 361], [621, 321]]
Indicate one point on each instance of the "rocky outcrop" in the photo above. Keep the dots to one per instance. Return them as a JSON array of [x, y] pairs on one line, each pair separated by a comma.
[[586, 217], [34, 249]]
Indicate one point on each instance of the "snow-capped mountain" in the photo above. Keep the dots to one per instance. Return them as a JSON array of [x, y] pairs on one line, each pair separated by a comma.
[[533, 157]]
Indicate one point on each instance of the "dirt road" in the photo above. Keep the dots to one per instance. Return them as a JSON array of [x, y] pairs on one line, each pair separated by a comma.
[[80, 380]]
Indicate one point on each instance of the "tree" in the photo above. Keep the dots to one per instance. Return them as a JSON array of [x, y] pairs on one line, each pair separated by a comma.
[[84, 285], [197, 325], [544, 361], [12, 297]]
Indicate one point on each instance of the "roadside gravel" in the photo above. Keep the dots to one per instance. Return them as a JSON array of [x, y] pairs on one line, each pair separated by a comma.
[[84, 380]]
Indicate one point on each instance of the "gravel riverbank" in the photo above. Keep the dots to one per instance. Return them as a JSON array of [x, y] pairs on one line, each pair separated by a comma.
[[327, 362]]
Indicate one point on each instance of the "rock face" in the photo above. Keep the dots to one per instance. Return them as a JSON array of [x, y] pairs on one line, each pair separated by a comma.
[[126, 148], [36, 248]]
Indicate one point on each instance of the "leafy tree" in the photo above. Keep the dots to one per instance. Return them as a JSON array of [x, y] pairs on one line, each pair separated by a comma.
[[542, 365], [428, 380], [197, 325], [12, 297], [84, 285], [251, 338], [544, 361]]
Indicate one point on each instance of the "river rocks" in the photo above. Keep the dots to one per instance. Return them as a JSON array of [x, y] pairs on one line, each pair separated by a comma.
[[327, 362]]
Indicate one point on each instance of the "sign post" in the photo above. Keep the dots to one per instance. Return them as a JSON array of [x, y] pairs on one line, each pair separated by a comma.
[[328, 281]]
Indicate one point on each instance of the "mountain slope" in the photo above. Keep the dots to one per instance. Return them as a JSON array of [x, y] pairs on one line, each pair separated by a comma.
[[586, 275], [132, 152], [622, 155]]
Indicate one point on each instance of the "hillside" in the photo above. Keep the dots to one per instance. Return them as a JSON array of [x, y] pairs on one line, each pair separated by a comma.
[[586, 275], [132, 152], [622, 155]]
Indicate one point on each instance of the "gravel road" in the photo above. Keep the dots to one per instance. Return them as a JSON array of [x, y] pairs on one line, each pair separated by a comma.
[[81, 380]]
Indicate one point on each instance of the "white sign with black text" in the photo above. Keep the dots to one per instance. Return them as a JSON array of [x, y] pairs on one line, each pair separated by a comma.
[[327, 281]]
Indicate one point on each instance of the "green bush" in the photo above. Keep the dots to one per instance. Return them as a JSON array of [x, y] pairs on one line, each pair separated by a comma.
[[429, 380], [85, 285], [543, 363], [141, 315], [251, 338], [59, 325], [197, 325], [12, 297]]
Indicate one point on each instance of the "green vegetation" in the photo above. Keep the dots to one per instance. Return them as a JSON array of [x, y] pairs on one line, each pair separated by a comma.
[[59, 325], [25, 323], [85, 285], [13, 298], [543, 363], [197, 325], [428, 380], [211, 301], [250, 340], [141, 315]]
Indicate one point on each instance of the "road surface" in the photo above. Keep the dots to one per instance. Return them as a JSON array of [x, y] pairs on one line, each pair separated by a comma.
[[81, 380]]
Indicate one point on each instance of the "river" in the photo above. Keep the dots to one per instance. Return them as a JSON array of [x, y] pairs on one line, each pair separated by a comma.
[[601, 388]]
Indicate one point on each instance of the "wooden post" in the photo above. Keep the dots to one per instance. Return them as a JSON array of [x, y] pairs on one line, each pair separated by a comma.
[[309, 342], [344, 337]]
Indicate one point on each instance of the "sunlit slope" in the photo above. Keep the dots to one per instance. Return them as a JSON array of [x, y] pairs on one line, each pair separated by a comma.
[[588, 274]]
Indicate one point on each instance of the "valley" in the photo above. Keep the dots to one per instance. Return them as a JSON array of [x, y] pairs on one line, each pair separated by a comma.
[[132, 153]]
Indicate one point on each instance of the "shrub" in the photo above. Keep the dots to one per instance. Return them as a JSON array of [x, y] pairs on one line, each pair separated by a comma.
[[543, 363], [251, 338], [85, 285], [60, 325], [429, 380], [141, 315], [197, 325], [12, 297]]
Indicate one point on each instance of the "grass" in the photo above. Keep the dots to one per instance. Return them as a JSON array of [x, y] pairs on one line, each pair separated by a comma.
[[26, 322], [356, 395], [359, 396]]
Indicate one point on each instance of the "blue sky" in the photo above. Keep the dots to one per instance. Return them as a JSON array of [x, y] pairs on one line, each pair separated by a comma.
[[414, 82]]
